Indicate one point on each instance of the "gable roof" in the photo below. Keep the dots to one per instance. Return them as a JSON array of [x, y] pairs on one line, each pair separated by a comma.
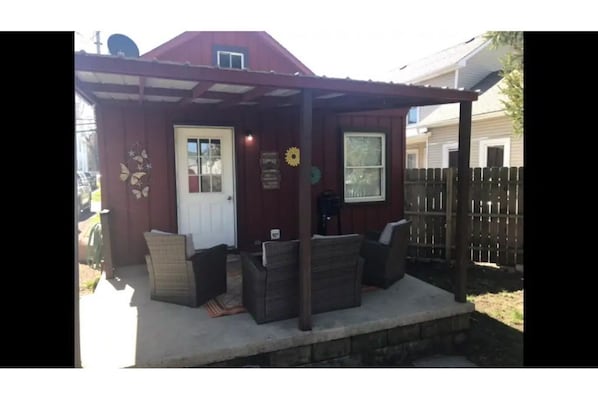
[[438, 63], [489, 102], [188, 36]]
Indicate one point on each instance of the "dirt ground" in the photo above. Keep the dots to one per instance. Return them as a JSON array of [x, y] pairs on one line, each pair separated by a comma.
[[496, 338], [87, 277]]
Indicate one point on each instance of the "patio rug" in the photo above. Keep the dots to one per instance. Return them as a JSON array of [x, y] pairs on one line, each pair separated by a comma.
[[231, 301]]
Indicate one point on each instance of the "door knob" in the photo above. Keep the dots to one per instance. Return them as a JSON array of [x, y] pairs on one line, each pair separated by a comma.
[[229, 198]]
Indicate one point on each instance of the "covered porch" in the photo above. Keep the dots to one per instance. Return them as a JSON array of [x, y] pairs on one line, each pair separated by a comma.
[[140, 101]]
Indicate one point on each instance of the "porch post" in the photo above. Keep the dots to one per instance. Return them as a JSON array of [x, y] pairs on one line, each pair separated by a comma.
[[463, 183], [305, 126]]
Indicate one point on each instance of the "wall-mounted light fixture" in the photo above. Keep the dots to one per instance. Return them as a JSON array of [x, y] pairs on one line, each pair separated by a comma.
[[248, 135]]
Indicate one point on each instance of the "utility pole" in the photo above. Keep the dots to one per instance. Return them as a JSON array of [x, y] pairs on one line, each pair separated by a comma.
[[97, 42]]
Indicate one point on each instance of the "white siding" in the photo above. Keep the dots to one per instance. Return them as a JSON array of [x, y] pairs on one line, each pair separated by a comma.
[[448, 80], [480, 65], [480, 130]]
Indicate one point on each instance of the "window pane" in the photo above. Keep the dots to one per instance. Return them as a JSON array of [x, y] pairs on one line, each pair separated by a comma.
[[216, 184], [496, 156], [364, 151], [236, 61], [192, 147], [411, 164], [204, 146], [412, 115], [216, 166], [192, 166], [205, 184], [361, 182], [453, 158], [224, 60], [205, 165], [215, 148], [193, 184]]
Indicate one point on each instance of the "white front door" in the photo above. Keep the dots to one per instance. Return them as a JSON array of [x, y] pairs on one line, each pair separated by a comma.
[[205, 184]]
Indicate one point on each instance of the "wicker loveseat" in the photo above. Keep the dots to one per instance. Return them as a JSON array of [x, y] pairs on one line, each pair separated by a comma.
[[271, 291], [182, 276], [384, 254]]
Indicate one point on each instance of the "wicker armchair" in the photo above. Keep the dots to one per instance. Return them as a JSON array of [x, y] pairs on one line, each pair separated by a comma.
[[271, 292], [185, 281], [385, 263]]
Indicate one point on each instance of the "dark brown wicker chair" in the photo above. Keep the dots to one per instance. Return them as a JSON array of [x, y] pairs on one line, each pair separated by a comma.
[[385, 264], [176, 279], [271, 292]]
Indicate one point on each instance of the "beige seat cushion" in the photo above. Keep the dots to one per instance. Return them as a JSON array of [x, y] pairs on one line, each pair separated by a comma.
[[387, 232], [190, 249]]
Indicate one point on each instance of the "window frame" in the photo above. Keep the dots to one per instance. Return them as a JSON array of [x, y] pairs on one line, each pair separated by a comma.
[[504, 141], [383, 167], [217, 49]]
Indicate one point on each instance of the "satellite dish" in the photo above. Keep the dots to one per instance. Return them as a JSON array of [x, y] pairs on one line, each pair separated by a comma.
[[122, 45]]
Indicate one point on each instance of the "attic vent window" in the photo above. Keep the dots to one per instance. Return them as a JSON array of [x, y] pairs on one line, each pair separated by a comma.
[[232, 60]]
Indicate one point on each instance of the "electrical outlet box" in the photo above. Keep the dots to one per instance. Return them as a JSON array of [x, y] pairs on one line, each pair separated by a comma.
[[275, 234]]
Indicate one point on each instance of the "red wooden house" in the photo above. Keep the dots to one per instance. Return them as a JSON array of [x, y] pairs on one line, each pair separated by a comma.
[[194, 137]]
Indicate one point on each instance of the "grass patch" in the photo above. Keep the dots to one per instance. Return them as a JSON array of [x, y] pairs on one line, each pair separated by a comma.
[[92, 284]]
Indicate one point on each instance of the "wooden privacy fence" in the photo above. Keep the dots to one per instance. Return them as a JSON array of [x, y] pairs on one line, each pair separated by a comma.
[[496, 211]]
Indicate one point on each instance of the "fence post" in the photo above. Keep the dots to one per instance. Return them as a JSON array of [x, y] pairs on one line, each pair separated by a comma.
[[448, 201], [107, 243]]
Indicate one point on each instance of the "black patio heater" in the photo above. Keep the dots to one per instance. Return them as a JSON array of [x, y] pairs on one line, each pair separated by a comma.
[[329, 205]]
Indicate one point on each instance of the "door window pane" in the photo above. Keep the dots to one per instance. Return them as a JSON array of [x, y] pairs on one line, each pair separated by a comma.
[[216, 184], [193, 184], [205, 184], [192, 147]]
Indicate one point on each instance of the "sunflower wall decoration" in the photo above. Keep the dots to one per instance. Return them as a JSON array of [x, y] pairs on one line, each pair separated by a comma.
[[292, 156], [136, 169]]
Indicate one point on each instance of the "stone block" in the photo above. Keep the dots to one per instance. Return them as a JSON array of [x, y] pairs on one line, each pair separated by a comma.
[[291, 356], [402, 334], [331, 349], [368, 342]]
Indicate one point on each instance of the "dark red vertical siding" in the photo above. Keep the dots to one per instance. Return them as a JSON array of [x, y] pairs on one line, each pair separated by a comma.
[[258, 210]]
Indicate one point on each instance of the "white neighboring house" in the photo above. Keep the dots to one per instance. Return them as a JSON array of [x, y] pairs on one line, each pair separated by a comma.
[[432, 131], [85, 129]]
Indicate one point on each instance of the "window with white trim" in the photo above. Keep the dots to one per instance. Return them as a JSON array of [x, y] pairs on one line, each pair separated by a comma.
[[230, 59], [364, 166], [411, 160], [495, 152], [413, 115]]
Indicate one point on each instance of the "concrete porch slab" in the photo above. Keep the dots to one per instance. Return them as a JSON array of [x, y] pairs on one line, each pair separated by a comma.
[[121, 326]]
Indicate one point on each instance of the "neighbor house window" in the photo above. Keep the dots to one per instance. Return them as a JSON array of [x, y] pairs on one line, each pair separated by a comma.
[[365, 166], [450, 155], [411, 159], [413, 115], [495, 152], [229, 59]]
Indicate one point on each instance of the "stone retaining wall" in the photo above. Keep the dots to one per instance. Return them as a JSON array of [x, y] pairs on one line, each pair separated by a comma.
[[391, 347]]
